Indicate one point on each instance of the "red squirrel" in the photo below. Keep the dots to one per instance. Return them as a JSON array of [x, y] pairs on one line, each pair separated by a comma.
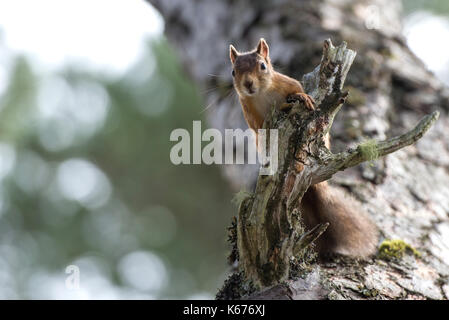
[[260, 87]]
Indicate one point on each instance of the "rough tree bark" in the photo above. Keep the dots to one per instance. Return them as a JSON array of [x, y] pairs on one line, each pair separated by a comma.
[[406, 193]]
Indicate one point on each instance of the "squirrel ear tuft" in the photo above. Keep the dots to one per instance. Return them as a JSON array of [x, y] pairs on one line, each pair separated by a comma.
[[263, 49], [233, 53]]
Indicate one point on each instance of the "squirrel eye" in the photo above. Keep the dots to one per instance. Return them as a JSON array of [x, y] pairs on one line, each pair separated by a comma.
[[233, 73], [263, 66]]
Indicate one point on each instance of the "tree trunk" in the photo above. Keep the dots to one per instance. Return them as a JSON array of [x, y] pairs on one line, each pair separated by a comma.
[[406, 193]]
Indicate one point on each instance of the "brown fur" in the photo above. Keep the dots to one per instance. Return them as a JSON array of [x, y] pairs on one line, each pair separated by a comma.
[[350, 232]]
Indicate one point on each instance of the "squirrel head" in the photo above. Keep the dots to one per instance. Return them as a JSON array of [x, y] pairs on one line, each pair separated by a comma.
[[251, 70]]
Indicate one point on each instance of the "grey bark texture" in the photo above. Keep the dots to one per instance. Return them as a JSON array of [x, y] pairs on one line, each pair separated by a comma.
[[406, 193]]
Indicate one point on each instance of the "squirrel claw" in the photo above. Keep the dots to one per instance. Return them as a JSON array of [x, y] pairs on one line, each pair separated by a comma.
[[304, 98], [287, 106]]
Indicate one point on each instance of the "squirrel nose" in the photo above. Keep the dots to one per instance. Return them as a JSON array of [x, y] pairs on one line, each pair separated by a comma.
[[248, 84]]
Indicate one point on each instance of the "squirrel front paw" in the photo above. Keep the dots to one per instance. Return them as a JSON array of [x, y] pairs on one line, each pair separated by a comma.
[[302, 97]]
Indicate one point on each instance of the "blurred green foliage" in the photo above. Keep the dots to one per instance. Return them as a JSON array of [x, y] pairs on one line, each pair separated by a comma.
[[440, 7], [177, 213]]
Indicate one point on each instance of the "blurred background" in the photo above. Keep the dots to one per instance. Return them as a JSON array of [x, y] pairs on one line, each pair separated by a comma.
[[88, 99]]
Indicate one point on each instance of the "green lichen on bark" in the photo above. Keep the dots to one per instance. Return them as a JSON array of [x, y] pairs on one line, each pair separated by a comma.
[[241, 196], [368, 150], [396, 249]]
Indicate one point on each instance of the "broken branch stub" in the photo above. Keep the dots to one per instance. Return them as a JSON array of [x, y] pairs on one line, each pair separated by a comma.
[[269, 231]]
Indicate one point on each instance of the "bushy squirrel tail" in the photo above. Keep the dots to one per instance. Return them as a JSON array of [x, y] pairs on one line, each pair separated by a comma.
[[351, 231]]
